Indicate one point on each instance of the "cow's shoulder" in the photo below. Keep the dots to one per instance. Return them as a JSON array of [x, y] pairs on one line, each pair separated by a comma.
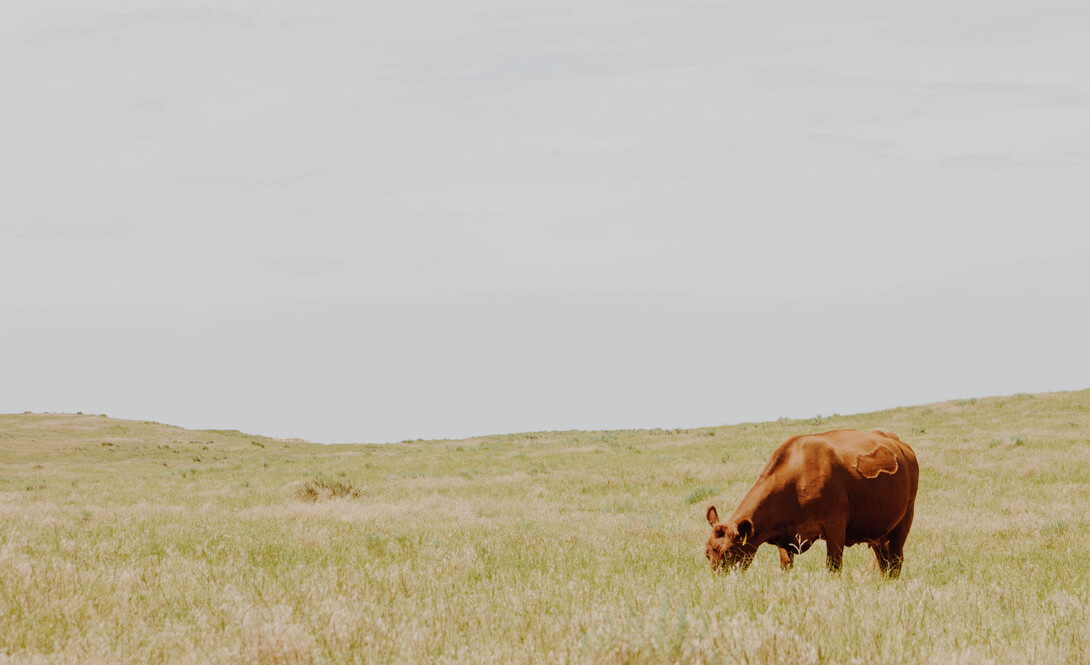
[[825, 445], [802, 456], [786, 456], [888, 435]]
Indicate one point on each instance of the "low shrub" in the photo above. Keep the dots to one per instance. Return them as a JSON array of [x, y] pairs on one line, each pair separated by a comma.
[[320, 488], [701, 493]]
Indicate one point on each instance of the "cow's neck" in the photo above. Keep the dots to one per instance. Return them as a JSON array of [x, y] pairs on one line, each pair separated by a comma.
[[768, 507]]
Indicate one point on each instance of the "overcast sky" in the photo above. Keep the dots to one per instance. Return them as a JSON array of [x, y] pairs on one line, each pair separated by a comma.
[[359, 221]]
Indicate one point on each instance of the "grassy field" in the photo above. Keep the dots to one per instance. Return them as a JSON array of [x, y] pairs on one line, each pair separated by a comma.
[[135, 542]]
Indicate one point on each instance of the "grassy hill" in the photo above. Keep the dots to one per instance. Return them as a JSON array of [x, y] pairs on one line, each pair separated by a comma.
[[136, 542]]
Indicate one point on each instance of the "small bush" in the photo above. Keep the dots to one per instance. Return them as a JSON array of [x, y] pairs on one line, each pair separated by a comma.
[[944, 569], [1015, 441], [375, 544], [323, 487], [1053, 528], [701, 493]]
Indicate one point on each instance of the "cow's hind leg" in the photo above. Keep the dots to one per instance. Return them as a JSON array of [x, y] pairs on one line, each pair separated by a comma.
[[882, 557], [893, 549]]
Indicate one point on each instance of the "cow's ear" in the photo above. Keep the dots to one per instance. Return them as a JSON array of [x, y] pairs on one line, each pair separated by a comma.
[[713, 516], [745, 530]]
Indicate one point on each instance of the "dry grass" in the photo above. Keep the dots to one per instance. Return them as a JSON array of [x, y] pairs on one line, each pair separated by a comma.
[[131, 542]]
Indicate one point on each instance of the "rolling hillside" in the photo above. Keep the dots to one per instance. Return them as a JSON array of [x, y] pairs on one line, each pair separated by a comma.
[[136, 542]]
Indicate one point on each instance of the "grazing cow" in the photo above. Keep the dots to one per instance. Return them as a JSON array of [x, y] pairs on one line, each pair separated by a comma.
[[846, 487]]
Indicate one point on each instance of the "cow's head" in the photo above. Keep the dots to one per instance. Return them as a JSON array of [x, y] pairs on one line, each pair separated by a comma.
[[730, 544]]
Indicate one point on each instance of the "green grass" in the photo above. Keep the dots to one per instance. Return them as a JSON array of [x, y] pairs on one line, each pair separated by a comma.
[[134, 542]]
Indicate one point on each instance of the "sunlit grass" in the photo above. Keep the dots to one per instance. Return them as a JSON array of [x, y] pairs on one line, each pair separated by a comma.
[[130, 542]]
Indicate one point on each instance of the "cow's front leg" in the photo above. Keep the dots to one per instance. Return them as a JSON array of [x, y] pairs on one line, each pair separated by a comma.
[[834, 549], [835, 557]]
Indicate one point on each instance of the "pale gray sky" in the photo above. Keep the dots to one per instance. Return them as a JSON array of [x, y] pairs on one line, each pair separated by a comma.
[[348, 221]]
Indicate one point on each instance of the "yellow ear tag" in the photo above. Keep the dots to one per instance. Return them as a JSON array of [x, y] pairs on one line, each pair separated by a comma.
[[744, 539]]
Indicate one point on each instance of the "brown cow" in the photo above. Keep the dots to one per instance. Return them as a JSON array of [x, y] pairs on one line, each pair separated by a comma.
[[846, 487]]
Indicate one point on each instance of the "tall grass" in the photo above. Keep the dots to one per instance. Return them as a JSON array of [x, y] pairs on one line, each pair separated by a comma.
[[553, 547]]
